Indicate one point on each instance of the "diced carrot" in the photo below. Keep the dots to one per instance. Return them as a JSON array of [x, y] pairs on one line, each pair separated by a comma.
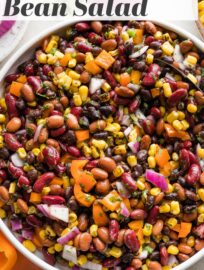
[[177, 228], [15, 88], [65, 59], [138, 37], [57, 181], [112, 201], [22, 79], [126, 201], [155, 92], [35, 197], [86, 181], [8, 254], [104, 60], [76, 168], [185, 229], [162, 157], [82, 135], [92, 67], [99, 216], [83, 198], [135, 76], [136, 225], [124, 79]]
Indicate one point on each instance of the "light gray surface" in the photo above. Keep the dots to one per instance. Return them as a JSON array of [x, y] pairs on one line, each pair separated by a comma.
[[35, 27]]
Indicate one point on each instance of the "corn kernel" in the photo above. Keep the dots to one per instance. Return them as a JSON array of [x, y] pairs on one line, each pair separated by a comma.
[[71, 264], [162, 110], [191, 241], [51, 250], [118, 171], [201, 5], [201, 209], [165, 208], [49, 231], [2, 213], [147, 230], [120, 149], [100, 144], [22, 152], [185, 124], [42, 234], [192, 78], [201, 194], [181, 115], [151, 162], [29, 245], [155, 191], [158, 35], [177, 125], [41, 122], [94, 152], [12, 188], [140, 185], [173, 250], [82, 259], [172, 222], [114, 127], [76, 83], [159, 83], [89, 256], [74, 224], [132, 160], [192, 92], [52, 44], [89, 57], [175, 208], [72, 63], [77, 100], [114, 216], [125, 36], [200, 152], [113, 53], [191, 60], [51, 59], [149, 59], [115, 252], [59, 54], [2, 118], [1, 139], [74, 75], [83, 92], [36, 151], [192, 108], [3, 103], [153, 150], [106, 87], [167, 48], [42, 58], [150, 51], [94, 230], [46, 190], [174, 115], [167, 90], [201, 218], [58, 247], [72, 217]]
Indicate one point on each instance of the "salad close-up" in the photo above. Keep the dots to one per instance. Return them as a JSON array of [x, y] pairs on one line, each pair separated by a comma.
[[102, 148]]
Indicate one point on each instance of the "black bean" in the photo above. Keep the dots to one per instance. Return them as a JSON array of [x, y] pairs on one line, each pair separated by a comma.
[[4, 153], [149, 202], [155, 256], [68, 192], [20, 104], [145, 95], [189, 208], [171, 196], [168, 59], [142, 155], [106, 110], [84, 122], [32, 175], [191, 195], [158, 53], [100, 135], [127, 258], [69, 138], [141, 66], [72, 203], [117, 66]]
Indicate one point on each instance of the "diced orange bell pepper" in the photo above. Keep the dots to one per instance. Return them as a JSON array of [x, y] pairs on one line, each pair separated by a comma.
[[83, 198], [185, 229], [177, 228], [77, 167], [162, 157], [124, 79], [86, 181], [22, 79], [104, 60], [166, 170], [8, 254], [82, 135], [35, 198], [140, 235], [171, 132], [2, 203], [15, 88], [65, 59], [126, 201], [92, 67], [112, 201], [135, 76], [138, 37], [155, 92], [99, 216], [66, 158], [57, 181], [136, 225]]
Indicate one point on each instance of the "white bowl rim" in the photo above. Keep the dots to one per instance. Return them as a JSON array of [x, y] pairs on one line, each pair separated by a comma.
[[30, 256]]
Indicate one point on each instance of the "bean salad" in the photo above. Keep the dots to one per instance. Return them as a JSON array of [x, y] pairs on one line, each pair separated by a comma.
[[102, 148]]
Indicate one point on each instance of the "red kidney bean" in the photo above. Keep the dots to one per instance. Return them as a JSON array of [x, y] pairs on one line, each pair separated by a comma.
[[35, 83], [152, 76], [95, 39], [11, 142], [11, 105], [184, 159], [148, 125], [58, 132], [110, 79], [134, 105], [11, 77], [109, 263], [15, 171], [155, 112], [131, 241], [76, 111], [3, 175], [192, 157], [173, 84], [138, 214], [33, 221], [149, 40], [23, 182], [74, 151], [51, 199], [129, 181], [60, 169], [187, 145], [82, 27], [164, 257], [130, 268], [177, 96], [51, 156], [113, 230], [42, 181], [199, 231], [193, 175], [49, 258], [153, 215], [55, 112], [83, 47], [91, 164], [121, 101]]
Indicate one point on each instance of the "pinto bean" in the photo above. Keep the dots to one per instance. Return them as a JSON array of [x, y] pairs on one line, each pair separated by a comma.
[[13, 125], [55, 121], [99, 174], [99, 245], [103, 234], [85, 241], [107, 164], [28, 93], [22, 205]]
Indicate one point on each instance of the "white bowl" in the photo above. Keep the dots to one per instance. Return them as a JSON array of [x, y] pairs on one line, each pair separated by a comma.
[[24, 53]]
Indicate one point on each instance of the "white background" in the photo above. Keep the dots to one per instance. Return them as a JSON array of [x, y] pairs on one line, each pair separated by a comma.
[[35, 27]]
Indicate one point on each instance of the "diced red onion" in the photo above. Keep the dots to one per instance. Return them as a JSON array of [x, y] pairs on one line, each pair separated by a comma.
[[139, 52], [156, 179], [68, 236], [59, 212], [37, 132], [170, 77], [134, 87], [44, 208], [122, 190], [76, 267], [124, 211], [16, 225], [92, 266], [172, 260], [5, 26], [17, 161], [125, 120], [128, 130], [134, 146], [70, 50], [27, 234], [95, 84], [120, 113], [178, 56], [70, 254]]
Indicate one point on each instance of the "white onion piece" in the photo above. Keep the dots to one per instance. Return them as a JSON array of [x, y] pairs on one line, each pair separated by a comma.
[[125, 120], [17, 161], [95, 84], [172, 260], [92, 266], [143, 255], [70, 50], [59, 212], [128, 130], [178, 57], [134, 87], [70, 254], [37, 132], [170, 77], [139, 52]]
